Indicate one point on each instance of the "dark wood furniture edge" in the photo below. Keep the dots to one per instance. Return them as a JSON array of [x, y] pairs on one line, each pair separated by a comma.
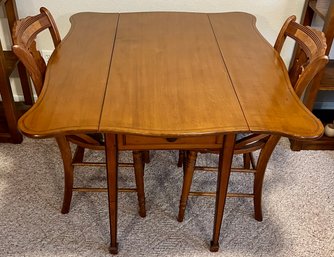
[[10, 111], [322, 12], [323, 143], [325, 80]]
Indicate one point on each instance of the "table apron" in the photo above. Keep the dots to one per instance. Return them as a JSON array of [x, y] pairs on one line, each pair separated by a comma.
[[133, 142]]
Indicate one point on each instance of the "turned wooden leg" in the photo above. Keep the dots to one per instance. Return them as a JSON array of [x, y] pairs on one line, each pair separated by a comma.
[[139, 174], [259, 175], [181, 158], [224, 170], [187, 179], [112, 174], [66, 155], [184, 157]]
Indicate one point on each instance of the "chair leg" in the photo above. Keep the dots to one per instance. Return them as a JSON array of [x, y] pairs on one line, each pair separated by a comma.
[[247, 160], [26, 85], [79, 155], [181, 158], [139, 174], [185, 156], [146, 156], [252, 160], [187, 179], [259, 175], [66, 155]]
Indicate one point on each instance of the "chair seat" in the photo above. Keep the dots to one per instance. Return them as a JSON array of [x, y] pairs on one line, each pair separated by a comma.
[[98, 137], [241, 136]]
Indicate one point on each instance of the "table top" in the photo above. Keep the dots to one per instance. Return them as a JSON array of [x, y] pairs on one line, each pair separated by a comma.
[[167, 74]]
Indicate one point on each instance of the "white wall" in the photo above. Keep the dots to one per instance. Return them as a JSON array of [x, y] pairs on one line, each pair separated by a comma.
[[270, 13]]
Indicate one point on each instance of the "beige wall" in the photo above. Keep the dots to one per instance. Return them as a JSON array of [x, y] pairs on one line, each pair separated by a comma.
[[270, 13]]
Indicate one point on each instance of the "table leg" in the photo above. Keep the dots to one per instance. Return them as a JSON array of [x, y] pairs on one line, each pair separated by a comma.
[[224, 170], [112, 173]]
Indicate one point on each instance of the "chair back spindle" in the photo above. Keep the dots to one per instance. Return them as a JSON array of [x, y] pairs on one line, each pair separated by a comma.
[[311, 55], [24, 36]]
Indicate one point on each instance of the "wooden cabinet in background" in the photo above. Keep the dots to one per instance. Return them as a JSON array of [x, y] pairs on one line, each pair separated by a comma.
[[325, 80], [10, 111]]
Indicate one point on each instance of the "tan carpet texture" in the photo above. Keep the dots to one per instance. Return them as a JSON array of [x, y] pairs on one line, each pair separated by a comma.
[[298, 208]]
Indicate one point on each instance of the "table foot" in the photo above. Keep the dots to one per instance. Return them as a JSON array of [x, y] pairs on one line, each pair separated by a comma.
[[113, 249], [258, 217], [214, 247]]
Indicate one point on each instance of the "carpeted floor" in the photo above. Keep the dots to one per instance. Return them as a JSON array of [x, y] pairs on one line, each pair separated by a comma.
[[298, 207]]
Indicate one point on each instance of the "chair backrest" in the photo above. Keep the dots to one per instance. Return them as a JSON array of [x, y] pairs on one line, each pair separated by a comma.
[[24, 36], [311, 57]]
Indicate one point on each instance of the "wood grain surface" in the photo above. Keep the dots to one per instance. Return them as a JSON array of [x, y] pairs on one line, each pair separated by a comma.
[[167, 74]]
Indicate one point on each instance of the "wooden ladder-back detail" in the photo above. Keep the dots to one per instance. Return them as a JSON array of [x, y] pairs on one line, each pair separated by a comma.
[[24, 36]]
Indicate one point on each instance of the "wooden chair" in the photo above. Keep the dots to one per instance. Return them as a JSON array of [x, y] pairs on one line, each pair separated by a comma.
[[312, 60], [25, 32]]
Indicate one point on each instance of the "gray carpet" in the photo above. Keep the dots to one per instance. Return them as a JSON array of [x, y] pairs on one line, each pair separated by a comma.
[[298, 207]]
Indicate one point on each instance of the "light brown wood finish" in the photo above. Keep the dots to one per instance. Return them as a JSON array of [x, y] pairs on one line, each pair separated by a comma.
[[262, 85], [313, 45], [167, 77], [112, 174], [161, 63], [25, 32], [225, 161], [170, 75], [89, 71]]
